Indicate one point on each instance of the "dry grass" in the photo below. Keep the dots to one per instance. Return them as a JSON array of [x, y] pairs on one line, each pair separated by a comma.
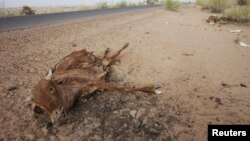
[[121, 4], [220, 5], [102, 5], [85, 7], [229, 8], [8, 12], [172, 5], [239, 13], [216, 5]]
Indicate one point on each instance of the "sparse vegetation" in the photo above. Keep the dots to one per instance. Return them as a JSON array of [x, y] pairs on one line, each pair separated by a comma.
[[235, 10], [9, 12], [55, 10], [238, 13], [203, 3], [140, 3], [121, 4], [220, 5], [216, 5], [2, 13], [102, 5], [85, 7], [152, 2], [6, 12], [172, 5]]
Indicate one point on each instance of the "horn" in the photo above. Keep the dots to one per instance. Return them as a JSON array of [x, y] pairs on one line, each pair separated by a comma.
[[49, 76]]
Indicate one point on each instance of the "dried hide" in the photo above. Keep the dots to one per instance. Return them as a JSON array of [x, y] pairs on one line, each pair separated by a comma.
[[77, 75]]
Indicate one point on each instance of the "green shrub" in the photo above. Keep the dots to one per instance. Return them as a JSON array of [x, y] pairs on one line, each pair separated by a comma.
[[172, 5]]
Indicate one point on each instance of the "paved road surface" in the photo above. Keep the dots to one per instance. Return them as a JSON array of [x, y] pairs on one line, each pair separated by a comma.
[[13, 23]]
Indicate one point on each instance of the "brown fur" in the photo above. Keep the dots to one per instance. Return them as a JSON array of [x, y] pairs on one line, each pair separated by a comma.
[[77, 75], [213, 19]]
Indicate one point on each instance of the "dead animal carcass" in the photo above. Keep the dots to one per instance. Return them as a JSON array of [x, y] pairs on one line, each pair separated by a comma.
[[77, 75], [27, 11], [213, 19]]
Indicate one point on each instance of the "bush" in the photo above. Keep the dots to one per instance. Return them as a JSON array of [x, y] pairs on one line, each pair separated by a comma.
[[220, 5], [85, 7], [203, 3], [152, 2], [172, 5], [121, 4], [102, 5], [248, 2], [216, 5], [2, 12], [238, 13]]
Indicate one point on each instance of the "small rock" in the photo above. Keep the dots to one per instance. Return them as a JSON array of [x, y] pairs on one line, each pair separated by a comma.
[[73, 45], [157, 91], [237, 40], [141, 113], [211, 97], [161, 114], [153, 131], [117, 77], [11, 88], [218, 101], [178, 113], [203, 77], [124, 98], [45, 130], [136, 124], [30, 137], [49, 125], [157, 125], [243, 85], [31, 70], [224, 84], [133, 113], [146, 32]]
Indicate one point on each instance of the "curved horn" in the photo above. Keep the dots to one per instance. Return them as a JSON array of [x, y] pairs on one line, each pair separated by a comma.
[[49, 76]]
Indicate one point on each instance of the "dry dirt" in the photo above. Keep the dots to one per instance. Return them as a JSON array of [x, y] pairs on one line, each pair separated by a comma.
[[205, 77]]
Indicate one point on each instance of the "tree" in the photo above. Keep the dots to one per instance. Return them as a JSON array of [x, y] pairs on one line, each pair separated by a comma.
[[242, 2], [152, 2]]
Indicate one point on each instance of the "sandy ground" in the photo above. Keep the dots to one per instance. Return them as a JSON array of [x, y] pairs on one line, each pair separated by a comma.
[[203, 75]]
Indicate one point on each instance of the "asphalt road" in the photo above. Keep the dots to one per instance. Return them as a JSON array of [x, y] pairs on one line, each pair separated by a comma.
[[19, 22]]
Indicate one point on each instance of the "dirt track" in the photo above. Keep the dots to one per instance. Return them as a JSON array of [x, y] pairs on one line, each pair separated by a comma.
[[201, 70]]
